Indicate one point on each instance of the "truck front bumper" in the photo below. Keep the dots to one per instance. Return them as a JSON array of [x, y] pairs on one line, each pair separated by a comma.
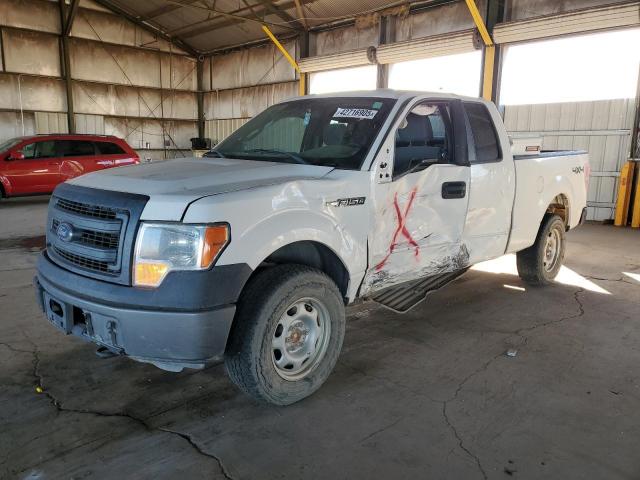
[[172, 337]]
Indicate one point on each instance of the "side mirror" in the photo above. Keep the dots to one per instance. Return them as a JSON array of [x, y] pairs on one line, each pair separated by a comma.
[[15, 155]]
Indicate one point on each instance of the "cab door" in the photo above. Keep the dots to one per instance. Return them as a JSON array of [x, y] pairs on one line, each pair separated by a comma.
[[420, 197], [493, 183]]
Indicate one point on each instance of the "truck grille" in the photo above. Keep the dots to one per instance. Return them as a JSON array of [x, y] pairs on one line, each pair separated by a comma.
[[92, 232], [83, 262], [94, 238], [84, 209]]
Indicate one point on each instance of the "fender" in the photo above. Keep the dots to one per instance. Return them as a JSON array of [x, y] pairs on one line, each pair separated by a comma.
[[276, 216], [525, 225]]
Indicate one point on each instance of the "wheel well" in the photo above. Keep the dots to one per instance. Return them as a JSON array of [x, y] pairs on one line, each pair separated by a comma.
[[312, 254], [560, 206]]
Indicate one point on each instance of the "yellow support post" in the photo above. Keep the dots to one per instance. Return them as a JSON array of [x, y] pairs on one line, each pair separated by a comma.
[[487, 74], [489, 50], [635, 217], [290, 59], [477, 18], [624, 195]]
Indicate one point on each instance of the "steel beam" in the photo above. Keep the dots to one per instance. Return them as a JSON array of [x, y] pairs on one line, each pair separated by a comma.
[[65, 61]]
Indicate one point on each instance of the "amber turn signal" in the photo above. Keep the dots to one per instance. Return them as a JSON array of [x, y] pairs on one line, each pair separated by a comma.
[[215, 239]]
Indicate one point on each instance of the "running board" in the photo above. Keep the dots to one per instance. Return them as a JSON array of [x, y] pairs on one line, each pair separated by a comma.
[[402, 298]]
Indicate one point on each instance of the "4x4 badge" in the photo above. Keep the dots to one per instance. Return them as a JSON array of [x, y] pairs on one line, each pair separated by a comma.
[[347, 202]]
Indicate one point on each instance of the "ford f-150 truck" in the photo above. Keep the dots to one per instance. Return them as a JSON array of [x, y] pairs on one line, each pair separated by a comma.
[[251, 255]]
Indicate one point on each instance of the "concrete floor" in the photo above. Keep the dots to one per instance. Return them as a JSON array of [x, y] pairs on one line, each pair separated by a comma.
[[430, 394]]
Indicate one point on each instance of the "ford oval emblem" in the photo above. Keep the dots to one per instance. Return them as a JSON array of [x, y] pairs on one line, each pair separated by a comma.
[[65, 232]]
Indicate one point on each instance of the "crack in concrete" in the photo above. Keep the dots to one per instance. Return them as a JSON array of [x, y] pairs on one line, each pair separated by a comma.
[[199, 449], [580, 313], [140, 421], [380, 430], [450, 424]]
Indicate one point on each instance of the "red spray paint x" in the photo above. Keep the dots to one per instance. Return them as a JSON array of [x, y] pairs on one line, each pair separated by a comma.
[[402, 219]]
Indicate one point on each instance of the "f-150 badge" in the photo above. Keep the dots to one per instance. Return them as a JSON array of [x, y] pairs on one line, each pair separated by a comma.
[[347, 202]]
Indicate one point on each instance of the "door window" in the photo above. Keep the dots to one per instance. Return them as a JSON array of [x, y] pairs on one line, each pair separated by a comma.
[[422, 139], [75, 148], [108, 148], [39, 150], [484, 134]]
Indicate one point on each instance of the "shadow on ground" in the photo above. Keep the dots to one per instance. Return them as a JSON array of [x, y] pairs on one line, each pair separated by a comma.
[[429, 394]]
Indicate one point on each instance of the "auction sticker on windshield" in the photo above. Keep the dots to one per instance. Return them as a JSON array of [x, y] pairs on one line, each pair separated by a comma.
[[359, 113]]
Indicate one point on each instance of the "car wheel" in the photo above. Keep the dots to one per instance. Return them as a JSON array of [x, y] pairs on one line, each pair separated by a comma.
[[540, 263], [287, 334]]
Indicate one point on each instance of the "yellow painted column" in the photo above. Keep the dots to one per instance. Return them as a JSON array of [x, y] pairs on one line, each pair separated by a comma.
[[487, 73], [290, 59]]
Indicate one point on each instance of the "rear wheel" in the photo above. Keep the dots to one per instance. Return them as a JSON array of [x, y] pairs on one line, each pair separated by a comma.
[[540, 263], [287, 334]]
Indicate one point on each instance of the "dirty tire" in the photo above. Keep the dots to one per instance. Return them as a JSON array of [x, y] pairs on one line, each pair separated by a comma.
[[250, 354], [533, 265]]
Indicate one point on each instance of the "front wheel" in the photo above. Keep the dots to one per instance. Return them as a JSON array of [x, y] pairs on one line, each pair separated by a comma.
[[540, 263], [287, 334]]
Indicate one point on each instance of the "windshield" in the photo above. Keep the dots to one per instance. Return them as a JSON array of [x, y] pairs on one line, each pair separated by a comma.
[[9, 143], [334, 132]]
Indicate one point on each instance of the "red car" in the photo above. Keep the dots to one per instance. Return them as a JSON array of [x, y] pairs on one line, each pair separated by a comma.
[[36, 164]]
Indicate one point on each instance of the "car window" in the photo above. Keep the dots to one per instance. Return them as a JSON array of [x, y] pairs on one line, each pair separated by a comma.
[[109, 148], [484, 134], [45, 149], [336, 132], [29, 150], [75, 148], [422, 138]]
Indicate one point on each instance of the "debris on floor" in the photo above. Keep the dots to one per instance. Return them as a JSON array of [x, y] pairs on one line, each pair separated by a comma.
[[512, 352]]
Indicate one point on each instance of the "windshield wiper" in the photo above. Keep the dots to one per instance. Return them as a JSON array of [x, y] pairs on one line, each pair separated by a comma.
[[291, 155]]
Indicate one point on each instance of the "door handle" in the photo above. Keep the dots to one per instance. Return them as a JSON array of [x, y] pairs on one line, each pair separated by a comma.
[[454, 190]]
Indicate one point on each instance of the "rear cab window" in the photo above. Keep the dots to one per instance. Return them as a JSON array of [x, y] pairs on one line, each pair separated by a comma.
[[486, 146]]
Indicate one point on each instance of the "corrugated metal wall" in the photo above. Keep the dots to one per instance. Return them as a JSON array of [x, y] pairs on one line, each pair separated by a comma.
[[602, 128], [125, 81]]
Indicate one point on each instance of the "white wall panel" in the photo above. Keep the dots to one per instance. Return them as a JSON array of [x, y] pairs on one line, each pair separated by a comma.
[[150, 134], [246, 102], [451, 17], [31, 52], [101, 99], [20, 92], [13, 124], [40, 15], [252, 66], [51, 122], [602, 128], [97, 62], [344, 39], [93, 124]]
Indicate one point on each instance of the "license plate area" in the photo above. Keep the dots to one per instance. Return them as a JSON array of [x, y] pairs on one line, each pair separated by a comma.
[[58, 313]]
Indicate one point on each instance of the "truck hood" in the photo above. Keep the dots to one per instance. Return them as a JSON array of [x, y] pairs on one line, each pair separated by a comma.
[[174, 184]]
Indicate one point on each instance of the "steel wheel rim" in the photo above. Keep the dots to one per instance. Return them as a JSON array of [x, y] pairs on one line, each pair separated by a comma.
[[300, 338], [552, 247]]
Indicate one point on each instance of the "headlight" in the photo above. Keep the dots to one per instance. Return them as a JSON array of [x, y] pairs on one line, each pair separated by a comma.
[[163, 247]]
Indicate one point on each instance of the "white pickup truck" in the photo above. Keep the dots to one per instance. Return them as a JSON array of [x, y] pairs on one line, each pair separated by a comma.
[[252, 254]]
